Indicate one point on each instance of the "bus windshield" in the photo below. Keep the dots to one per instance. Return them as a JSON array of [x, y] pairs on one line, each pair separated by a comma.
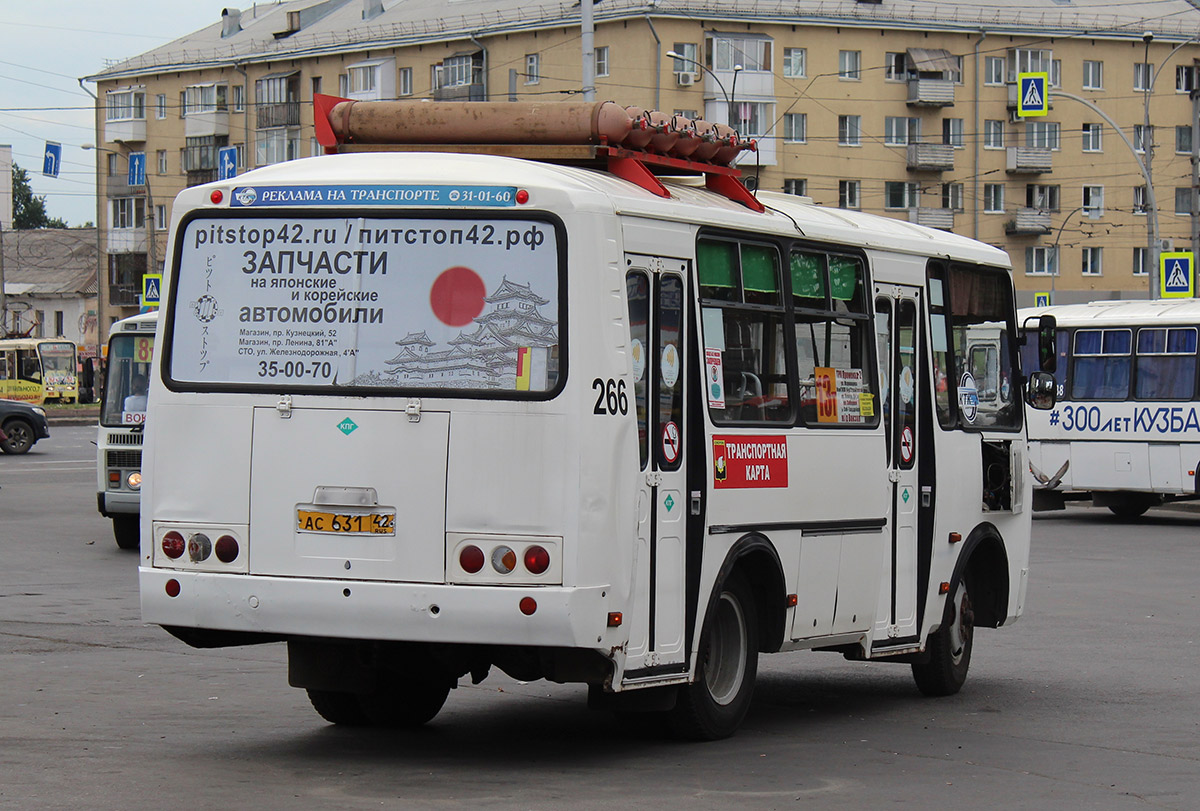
[[127, 379], [369, 304]]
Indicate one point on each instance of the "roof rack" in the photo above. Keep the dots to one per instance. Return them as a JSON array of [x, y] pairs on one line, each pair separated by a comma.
[[630, 142]]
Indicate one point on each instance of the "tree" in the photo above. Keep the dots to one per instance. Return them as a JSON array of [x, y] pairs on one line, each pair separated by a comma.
[[29, 210]]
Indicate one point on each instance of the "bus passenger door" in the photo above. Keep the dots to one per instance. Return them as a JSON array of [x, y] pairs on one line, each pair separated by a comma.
[[898, 334], [656, 294]]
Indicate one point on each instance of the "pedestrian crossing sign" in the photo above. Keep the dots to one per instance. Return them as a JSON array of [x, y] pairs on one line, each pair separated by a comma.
[[151, 289], [1041, 299], [1177, 275], [1032, 99]]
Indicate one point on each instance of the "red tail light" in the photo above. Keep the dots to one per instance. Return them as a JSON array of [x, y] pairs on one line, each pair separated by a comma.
[[471, 559], [227, 549], [537, 559], [173, 545]]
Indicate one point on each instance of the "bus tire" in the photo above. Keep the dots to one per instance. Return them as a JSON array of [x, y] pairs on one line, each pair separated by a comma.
[[20, 436], [949, 648], [714, 706], [410, 703], [127, 531], [1131, 506]]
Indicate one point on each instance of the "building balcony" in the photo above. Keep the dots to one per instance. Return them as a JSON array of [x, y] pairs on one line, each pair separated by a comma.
[[284, 114], [128, 131], [199, 125], [1029, 221], [930, 93], [1029, 160], [933, 217], [125, 240], [460, 92], [124, 295], [930, 157]]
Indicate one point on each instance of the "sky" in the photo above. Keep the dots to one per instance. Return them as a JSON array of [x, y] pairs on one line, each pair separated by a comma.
[[47, 46]]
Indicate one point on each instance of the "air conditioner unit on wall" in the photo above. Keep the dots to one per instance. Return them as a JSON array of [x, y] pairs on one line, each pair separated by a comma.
[[1166, 245], [685, 79]]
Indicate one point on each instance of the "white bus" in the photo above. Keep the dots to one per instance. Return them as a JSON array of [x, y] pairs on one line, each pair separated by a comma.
[[423, 414], [122, 420], [1126, 433]]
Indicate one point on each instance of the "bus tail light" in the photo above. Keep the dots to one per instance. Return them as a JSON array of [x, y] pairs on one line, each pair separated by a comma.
[[471, 559], [199, 547], [537, 559], [173, 545], [528, 606], [227, 549], [504, 560]]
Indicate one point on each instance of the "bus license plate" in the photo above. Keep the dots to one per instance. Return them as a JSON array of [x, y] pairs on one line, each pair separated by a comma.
[[374, 523]]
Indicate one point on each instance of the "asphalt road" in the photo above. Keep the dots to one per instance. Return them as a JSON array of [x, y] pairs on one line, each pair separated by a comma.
[[1092, 700]]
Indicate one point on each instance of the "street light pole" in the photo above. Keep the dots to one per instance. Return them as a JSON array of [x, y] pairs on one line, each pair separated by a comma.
[[151, 242], [1057, 263]]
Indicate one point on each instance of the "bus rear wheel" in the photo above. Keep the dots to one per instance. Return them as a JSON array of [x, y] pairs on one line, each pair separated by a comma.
[[126, 530], [1131, 505], [949, 648], [715, 704], [408, 704]]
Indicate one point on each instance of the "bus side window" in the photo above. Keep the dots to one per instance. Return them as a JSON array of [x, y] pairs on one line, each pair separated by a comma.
[[30, 368], [637, 287]]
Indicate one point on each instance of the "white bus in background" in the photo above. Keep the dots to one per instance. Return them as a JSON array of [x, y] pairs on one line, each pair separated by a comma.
[[122, 421], [475, 411], [1126, 432]]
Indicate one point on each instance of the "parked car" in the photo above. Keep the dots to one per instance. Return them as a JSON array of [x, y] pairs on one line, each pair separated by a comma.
[[22, 426]]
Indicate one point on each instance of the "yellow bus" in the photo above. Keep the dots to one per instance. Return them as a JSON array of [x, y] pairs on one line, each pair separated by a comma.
[[35, 370]]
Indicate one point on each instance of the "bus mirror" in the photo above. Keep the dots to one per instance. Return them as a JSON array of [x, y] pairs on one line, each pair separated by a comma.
[[1047, 346], [1040, 391]]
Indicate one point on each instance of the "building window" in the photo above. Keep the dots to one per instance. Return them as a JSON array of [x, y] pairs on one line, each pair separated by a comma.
[[1143, 76], [850, 65], [239, 98], [896, 67], [848, 196], [1043, 134], [725, 52], [160, 218], [795, 128], [952, 196], [1041, 260], [955, 74], [1187, 78], [277, 145], [1139, 262], [1139, 137], [993, 134], [112, 164], [952, 131], [1043, 198], [1055, 73], [1183, 200], [1183, 140], [343, 85], [795, 63], [1091, 138], [205, 98], [458, 71], [1093, 75], [1030, 60], [689, 52], [602, 61], [795, 185], [900, 131], [533, 68], [753, 117], [993, 198], [993, 70], [849, 130], [160, 106], [126, 105], [128, 212], [900, 195], [1139, 200], [162, 161], [363, 78], [1092, 261], [315, 84], [1093, 201], [692, 114], [404, 84]]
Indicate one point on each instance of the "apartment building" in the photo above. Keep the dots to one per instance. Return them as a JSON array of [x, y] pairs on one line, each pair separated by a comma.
[[907, 109]]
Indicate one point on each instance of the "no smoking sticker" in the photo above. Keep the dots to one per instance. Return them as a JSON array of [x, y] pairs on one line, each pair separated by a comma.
[[670, 443], [906, 445]]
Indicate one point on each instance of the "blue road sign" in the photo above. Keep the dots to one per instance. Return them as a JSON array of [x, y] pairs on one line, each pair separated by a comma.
[[52, 159], [227, 167], [1041, 299], [151, 289], [1033, 98], [1177, 275], [137, 169]]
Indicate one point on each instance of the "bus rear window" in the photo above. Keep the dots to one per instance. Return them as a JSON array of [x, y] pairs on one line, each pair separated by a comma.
[[367, 304]]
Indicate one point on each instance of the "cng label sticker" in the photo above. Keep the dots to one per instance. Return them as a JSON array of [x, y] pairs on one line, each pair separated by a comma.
[[347, 426]]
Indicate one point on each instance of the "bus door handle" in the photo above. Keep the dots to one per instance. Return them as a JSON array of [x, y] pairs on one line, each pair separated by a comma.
[[696, 502], [653, 478], [284, 407], [926, 496]]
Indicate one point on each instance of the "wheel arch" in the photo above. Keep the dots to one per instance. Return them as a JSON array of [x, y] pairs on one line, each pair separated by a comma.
[[754, 557], [983, 564]]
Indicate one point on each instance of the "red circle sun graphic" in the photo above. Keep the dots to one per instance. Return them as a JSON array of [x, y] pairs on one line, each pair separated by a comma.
[[457, 296]]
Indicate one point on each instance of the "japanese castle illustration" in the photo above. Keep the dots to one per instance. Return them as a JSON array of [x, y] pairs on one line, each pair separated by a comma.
[[508, 337]]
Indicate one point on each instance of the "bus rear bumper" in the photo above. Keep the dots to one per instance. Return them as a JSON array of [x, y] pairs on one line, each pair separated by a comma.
[[351, 609]]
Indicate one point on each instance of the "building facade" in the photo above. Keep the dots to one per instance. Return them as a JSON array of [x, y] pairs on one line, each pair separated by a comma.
[[907, 109]]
